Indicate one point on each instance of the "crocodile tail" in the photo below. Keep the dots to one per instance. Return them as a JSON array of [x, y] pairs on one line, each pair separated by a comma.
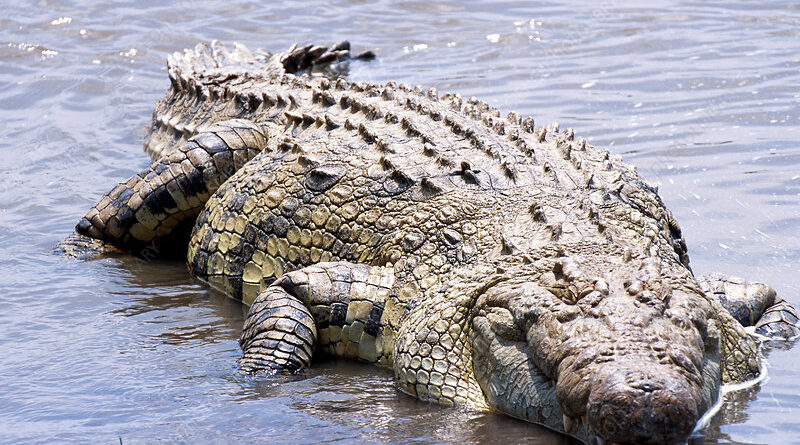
[[209, 59], [299, 58], [206, 78], [217, 58], [149, 206]]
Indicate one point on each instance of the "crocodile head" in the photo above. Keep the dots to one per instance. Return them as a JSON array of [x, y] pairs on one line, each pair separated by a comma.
[[624, 358]]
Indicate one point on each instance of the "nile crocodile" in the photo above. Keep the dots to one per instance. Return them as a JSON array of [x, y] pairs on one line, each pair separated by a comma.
[[489, 263]]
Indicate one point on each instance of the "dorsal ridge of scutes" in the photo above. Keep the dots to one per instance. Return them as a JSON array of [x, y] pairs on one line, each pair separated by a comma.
[[440, 127]]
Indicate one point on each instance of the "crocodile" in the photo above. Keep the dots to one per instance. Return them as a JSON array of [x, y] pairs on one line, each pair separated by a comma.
[[489, 263]]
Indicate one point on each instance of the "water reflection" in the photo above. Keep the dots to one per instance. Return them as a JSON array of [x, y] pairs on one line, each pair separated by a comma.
[[364, 399]]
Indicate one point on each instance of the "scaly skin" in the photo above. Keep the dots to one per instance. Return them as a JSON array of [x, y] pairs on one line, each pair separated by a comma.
[[488, 262]]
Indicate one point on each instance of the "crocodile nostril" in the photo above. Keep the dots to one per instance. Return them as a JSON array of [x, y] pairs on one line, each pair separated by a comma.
[[645, 386], [631, 405]]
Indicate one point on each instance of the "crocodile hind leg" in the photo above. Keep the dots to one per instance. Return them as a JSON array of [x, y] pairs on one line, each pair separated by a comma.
[[150, 204], [753, 304], [341, 308]]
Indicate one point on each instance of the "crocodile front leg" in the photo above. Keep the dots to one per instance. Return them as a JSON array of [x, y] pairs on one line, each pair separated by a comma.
[[149, 205], [342, 308], [753, 304]]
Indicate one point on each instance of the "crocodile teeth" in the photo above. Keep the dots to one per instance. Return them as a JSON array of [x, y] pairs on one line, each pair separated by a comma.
[[568, 423]]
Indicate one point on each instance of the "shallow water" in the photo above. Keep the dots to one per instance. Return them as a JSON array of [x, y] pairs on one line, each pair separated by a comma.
[[704, 97]]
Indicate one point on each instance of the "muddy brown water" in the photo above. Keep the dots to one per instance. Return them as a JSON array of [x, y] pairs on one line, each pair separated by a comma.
[[702, 96]]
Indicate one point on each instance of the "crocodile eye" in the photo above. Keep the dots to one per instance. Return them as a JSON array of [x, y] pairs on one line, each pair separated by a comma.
[[322, 178]]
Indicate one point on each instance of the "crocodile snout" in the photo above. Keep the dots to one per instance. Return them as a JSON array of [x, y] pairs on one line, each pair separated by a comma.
[[642, 406]]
